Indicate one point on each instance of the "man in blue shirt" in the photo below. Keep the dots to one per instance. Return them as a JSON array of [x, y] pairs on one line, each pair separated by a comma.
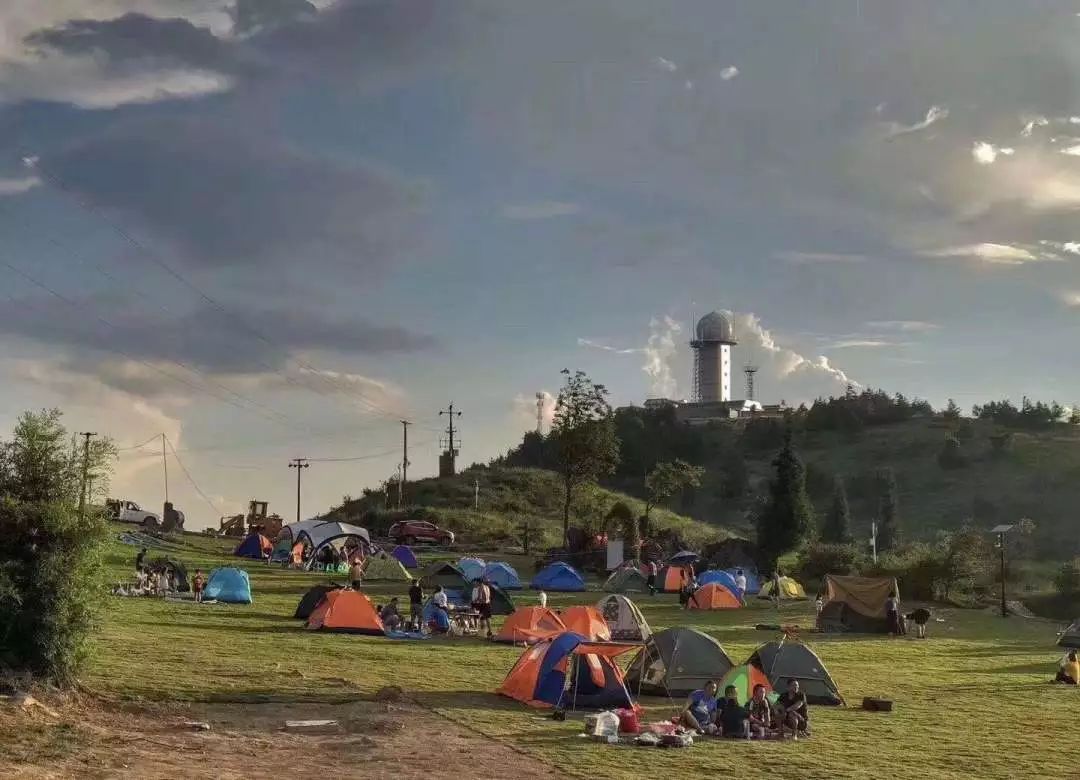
[[701, 708]]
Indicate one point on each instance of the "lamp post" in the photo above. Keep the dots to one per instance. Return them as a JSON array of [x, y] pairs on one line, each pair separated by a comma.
[[1001, 530]]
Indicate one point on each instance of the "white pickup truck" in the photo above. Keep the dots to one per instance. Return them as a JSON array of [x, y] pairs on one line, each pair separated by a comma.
[[124, 511]]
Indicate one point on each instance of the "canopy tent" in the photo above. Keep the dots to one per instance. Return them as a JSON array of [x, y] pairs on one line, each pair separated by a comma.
[[558, 576], [624, 620], [676, 662], [446, 574], [461, 598], [684, 558], [338, 534], [586, 621], [569, 671], [472, 568], [856, 604], [720, 577], [626, 580], [789, 589], [173, 569], [529, 625], [254, 545], [347, 612], [745, 678], [229, 585], [310, 600], [753, 584], [713, 596], [792, 660], [385, 567], [1070, 637], [503, 575], [671, 578], [406, 556]]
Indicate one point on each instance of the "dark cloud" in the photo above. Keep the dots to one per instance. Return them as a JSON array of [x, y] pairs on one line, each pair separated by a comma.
[[253, 16]]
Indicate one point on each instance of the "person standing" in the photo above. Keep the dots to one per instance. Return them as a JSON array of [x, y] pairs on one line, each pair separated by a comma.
[[776, 586], [651, 578], [740, 582], [481, 602], [197, 585], [416, 604], [542, 598], [139, 559], [440, 600], [892, 615], [356, 574]]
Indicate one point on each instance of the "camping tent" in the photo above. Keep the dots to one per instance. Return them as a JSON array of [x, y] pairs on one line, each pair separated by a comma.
[[624, 620], [385, 567], [677, 661], [406, 556], [753, 584], [720, 577], [713, 596], [310, 600], [255, 545], [347, 612], [338, 534], [856, 604], [446, 574], [586, 621], [684, 558], [503, 575], [558, 576], [745, 678], [174, 569], [229, 585], [539, 678], [626, 580], [789, 589], [529, 625], [787, 660], [472, 568], [1070, 637], [671, 578]]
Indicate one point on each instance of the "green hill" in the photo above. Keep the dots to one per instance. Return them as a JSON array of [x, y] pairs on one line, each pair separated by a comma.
[[508, 498]]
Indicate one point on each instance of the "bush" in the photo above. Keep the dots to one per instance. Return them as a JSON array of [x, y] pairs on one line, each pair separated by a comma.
[[916, 567], [951, 455], [51, 586], [1067, 579], [819, 559]]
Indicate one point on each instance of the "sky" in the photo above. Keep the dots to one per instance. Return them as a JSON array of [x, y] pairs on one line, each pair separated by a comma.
[[271, 229]]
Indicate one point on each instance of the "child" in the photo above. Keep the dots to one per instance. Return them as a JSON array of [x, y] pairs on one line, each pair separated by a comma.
[[819, 604], [197, 584]]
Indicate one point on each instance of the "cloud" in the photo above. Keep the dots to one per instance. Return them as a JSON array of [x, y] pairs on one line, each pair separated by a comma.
[[986, 153], [728, 73], [1068, 247], [665, 64], [905, 326], [993, 254], [608, 348], [1072, 151], [862, 344], [933, 114], [540, 210], [1032, 123], [1070, 298], [659, 351], [18, 186], [820, 257]]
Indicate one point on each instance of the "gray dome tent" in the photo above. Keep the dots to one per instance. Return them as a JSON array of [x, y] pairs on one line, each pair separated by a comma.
[[787, 660], [677, 661], [626, 580], [1070, 637]]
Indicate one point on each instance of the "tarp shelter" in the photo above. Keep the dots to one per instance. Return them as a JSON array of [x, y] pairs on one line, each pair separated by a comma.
[[856, 604], [310, 600], [337, 534], [472, 568], [677, 661], [586, 621], [626, 580], [174, 569], [254, 546], [684, 558], [446, 574], [570, 672], [753, 583], [713, 596], [406, 556], [1070, 637], [503, 575], [228, 585], [624, 620], [720, 577], [347, 612], [789, 589], [558, 576], [530, 625], [460, 598], [670, 578], [790, 659], [385, 567], [745, 678]]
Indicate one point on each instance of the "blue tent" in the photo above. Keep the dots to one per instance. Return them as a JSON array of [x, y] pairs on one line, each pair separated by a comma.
[[472, 568], [229, 585], [503, 575], [251, 547], [406, 557], [539, 677], [558, 576], [753, 582], [720, 577]]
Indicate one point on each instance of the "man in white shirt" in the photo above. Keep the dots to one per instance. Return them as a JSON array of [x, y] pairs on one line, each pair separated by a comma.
[[740, 581], [440, 600], [543, 599]]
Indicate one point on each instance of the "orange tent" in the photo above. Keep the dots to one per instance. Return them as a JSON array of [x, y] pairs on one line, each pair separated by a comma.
[[529, 625], [586, 621], [348, 612], [714, 596], [671, 578]]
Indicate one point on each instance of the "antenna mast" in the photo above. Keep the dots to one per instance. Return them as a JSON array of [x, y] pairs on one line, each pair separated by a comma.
[[540, 413]]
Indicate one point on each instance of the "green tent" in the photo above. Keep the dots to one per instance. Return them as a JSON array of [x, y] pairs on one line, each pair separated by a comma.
[[792, 660], [626, 580], [385, 568], [446, 574], [745, 678], [676, 662]]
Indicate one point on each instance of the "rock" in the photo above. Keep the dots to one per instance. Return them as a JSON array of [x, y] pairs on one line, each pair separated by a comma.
[[390, 693], [196, 725], [28, 702], [311, 725]]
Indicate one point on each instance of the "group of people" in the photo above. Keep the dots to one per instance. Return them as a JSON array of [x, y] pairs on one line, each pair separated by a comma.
[[393, 620], [759, 718], [157, 580]]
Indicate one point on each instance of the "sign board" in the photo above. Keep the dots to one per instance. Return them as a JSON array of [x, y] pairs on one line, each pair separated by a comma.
[[614, 553]]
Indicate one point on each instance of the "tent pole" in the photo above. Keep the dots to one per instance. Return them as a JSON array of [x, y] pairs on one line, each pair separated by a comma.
[[573, 681]]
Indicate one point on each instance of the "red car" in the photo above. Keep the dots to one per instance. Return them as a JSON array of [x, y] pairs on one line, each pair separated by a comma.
[[412, 531]]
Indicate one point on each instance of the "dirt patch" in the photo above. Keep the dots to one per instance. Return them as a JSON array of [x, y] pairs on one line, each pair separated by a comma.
[[369, 739]]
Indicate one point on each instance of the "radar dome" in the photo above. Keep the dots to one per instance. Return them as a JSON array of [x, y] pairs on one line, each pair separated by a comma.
[[715, 326]]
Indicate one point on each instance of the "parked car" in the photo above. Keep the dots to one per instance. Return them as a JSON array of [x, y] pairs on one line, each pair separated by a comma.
[[412, 531]]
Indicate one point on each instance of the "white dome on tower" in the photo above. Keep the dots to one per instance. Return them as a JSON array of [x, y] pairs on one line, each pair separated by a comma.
[[715, 326]]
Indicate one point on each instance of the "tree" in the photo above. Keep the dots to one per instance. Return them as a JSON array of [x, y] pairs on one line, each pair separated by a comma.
[[787, 517], [888, 531], [584, 435], [1067, 579], [952, 411], [966, 560], [736, 477], [667, 479], [621, 518], [951, 455], [837, 526]]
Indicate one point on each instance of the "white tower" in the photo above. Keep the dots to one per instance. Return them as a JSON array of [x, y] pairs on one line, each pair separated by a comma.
[[712, 358]]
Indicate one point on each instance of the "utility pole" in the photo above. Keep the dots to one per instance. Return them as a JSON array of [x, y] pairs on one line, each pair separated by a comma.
[[399, 490], [873, 541], [476, 495], [299, 464], [452, 449], [404, 459], [540, 414], [1001, 530], [85, 471], [165, 463]]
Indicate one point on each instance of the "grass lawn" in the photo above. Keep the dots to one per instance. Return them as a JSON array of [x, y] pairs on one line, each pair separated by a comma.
[[973, 700]]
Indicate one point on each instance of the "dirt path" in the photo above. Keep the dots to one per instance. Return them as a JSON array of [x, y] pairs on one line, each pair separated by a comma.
[[371, 740]]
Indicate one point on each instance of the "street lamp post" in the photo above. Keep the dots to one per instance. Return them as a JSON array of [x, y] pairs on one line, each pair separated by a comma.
[[1001, 530]]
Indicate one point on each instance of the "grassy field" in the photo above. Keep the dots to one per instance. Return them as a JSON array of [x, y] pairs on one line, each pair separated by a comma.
[[973, 700]]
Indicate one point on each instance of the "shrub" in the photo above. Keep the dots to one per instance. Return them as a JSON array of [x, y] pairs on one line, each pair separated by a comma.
[[818, 559], [951, 455], [916, 567], [1067, 579]]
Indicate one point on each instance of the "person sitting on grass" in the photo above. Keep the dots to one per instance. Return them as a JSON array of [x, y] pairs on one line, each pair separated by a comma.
[[197, 584], [701, 709], [792, 710], [390, 616], [1069, 673], [759, 713], [732, 716], [920, 618]]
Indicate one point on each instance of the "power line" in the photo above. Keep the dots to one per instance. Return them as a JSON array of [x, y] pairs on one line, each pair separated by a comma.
[[155, 437], [190, 479]]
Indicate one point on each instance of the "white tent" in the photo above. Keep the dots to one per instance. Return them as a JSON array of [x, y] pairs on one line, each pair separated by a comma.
[[623, 619]]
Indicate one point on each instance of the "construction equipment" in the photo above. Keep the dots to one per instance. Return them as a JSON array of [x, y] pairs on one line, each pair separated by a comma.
[[256, 519]]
